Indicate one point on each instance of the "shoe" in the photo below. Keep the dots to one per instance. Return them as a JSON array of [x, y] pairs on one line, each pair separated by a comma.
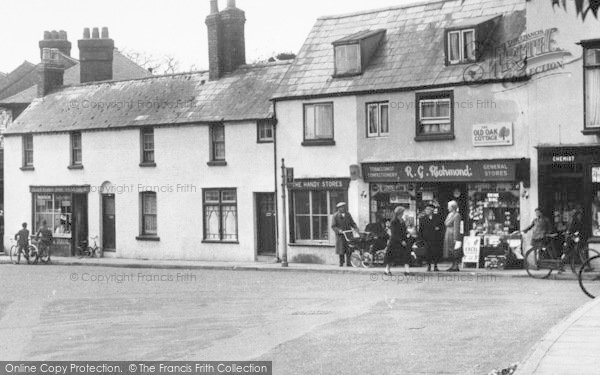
[[348, 264]]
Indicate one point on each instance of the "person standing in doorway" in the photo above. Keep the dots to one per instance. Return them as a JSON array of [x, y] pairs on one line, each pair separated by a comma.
[[431, 233], [342, 221], [452, 237], [397, 251]]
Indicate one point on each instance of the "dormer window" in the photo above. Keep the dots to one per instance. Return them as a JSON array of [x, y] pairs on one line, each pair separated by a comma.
[[461, 46], [353, 53]]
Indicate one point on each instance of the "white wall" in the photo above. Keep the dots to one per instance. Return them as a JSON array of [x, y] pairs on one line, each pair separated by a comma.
[[181, 154]]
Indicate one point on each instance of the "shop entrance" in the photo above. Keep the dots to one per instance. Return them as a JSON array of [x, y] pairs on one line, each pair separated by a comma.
[[80, 221], [562, 192], [266, 221]]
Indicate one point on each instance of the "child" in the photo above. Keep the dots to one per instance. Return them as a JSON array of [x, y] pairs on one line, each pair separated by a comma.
[[46, 237], [22, 238]]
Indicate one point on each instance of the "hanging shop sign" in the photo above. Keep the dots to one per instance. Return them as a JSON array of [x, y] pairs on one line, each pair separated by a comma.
[[487, 135], [444, 171], [320, 184]]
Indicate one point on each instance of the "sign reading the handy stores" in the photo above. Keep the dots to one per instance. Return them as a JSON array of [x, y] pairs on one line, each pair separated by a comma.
[[498, 134], [471, 170], [320, 184]]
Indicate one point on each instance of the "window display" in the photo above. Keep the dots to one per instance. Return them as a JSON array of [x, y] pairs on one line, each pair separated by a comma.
[[596, 201], [56, 210], [493, 209]]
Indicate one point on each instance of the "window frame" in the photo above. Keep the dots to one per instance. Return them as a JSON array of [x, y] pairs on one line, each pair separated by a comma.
[[75, 164], [213, 160], [25, 164], [588, 45], [336, 72], [220, 204], [380, 133], [428, 96], [146, 162], [318, 141], [146, 235], [330, 211], [259, 125], [462, 59]]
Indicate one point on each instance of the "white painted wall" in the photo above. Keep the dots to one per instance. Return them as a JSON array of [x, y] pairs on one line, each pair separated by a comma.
[[181, 155]]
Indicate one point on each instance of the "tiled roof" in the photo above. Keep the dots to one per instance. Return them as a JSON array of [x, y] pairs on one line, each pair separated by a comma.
[[18, 80], [123, 68], [411, 53], [159, 100]]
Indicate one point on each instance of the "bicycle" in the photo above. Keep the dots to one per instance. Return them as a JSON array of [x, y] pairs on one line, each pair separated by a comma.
[[84, 250], [542, 259], [39, 252], [15, 253], [589, 277], [575, 252]]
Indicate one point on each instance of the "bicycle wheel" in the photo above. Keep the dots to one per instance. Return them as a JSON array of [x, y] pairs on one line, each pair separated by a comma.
[[356, 259], [579, 257], [15, 255], [589, 277], [367, 260], [33, 254], [534, 263]]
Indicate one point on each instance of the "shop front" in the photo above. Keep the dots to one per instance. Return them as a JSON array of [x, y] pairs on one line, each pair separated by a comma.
[[569, 179], [487, 192], [65, 211]]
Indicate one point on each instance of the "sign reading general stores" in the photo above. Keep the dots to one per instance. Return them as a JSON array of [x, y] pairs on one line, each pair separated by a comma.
[[486, 135], [444, 171], [320, 184]]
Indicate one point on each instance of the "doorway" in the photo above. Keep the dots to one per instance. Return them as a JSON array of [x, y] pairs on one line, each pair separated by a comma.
[[266, 221], [108, 223], [79, 221]]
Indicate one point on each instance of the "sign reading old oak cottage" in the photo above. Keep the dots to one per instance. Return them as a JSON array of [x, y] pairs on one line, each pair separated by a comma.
[[500, 134], [475, 170]]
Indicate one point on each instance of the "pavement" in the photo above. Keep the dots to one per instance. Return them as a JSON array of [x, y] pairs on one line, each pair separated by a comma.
[[572, 347]]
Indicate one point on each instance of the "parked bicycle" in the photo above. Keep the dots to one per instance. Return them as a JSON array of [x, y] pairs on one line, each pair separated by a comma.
[[589, 277], [15, 253], [39, 251], [541, 261], [93, 251]]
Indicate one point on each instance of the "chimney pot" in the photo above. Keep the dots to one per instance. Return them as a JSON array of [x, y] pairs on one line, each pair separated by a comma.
[[54, 34], [47, 35], [86, 33], [62, 35], [230, 3], [105, 33], [95, 33], [214, 6], [96, 56]]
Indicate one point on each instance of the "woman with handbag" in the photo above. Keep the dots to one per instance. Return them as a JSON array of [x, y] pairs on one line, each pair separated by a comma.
[[452, 237], [396, 251]]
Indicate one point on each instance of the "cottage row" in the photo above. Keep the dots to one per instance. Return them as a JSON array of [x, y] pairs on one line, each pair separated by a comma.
[[494, 104]]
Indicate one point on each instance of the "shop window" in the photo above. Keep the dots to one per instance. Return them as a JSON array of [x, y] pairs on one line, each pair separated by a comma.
[[461, 46], [265, 131], [76, 156], [592, 88], [378, 120], [312, 212], [318, 124], [149, 214], [493, 209], [220, 215], [596, 201], [434, 116], [27, 151], [147, 146], [386, 197], [217, 145], [56, 211]]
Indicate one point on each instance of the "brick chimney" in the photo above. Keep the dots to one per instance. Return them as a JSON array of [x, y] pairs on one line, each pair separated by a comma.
[[56, 39], [226, 39], [50, 72], [96, 56]]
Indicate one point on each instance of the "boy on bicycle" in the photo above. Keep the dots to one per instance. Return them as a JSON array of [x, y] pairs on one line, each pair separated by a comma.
[[46, 237], [22, 238]]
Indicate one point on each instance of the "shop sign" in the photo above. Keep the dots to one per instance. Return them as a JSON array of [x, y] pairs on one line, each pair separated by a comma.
[[471, 249], [320, 184], [475, 170], [563, 159], [84, 189], [498, 134]]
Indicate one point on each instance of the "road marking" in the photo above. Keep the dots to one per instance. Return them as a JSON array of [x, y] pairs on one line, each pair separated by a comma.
[[16, 327]]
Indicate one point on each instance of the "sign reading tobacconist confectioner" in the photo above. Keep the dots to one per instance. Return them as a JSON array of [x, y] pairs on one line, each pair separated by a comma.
[[474, 170], [499, 134], [320, 184]]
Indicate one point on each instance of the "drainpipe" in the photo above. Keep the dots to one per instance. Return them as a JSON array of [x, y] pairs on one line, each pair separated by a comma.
[[277, 250]]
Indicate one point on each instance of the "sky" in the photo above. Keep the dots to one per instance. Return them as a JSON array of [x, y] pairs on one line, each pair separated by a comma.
[[160, 28]]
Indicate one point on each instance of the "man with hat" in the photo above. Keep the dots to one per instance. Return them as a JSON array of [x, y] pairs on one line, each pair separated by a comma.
[[431, 232], [342, 221]]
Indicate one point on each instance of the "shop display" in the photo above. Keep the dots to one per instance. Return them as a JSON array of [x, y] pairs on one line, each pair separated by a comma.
[[493, 210]]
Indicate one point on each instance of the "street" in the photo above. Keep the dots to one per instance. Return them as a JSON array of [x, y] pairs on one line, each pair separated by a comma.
[[303, 322]]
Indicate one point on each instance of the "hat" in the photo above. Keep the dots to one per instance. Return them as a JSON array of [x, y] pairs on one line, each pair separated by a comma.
[[341, 204]]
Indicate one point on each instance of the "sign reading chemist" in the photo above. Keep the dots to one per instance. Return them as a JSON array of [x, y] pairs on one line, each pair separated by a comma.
[[498, 134]]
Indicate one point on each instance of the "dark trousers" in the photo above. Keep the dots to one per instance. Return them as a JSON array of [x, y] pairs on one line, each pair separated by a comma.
[[346, 255]]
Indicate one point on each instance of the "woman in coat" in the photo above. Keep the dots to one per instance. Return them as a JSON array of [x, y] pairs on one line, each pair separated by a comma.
[[397, 251], [452, 237]]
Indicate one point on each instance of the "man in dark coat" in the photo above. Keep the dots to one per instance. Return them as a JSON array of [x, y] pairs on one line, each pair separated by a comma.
[[342, 221], [431, 232]]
